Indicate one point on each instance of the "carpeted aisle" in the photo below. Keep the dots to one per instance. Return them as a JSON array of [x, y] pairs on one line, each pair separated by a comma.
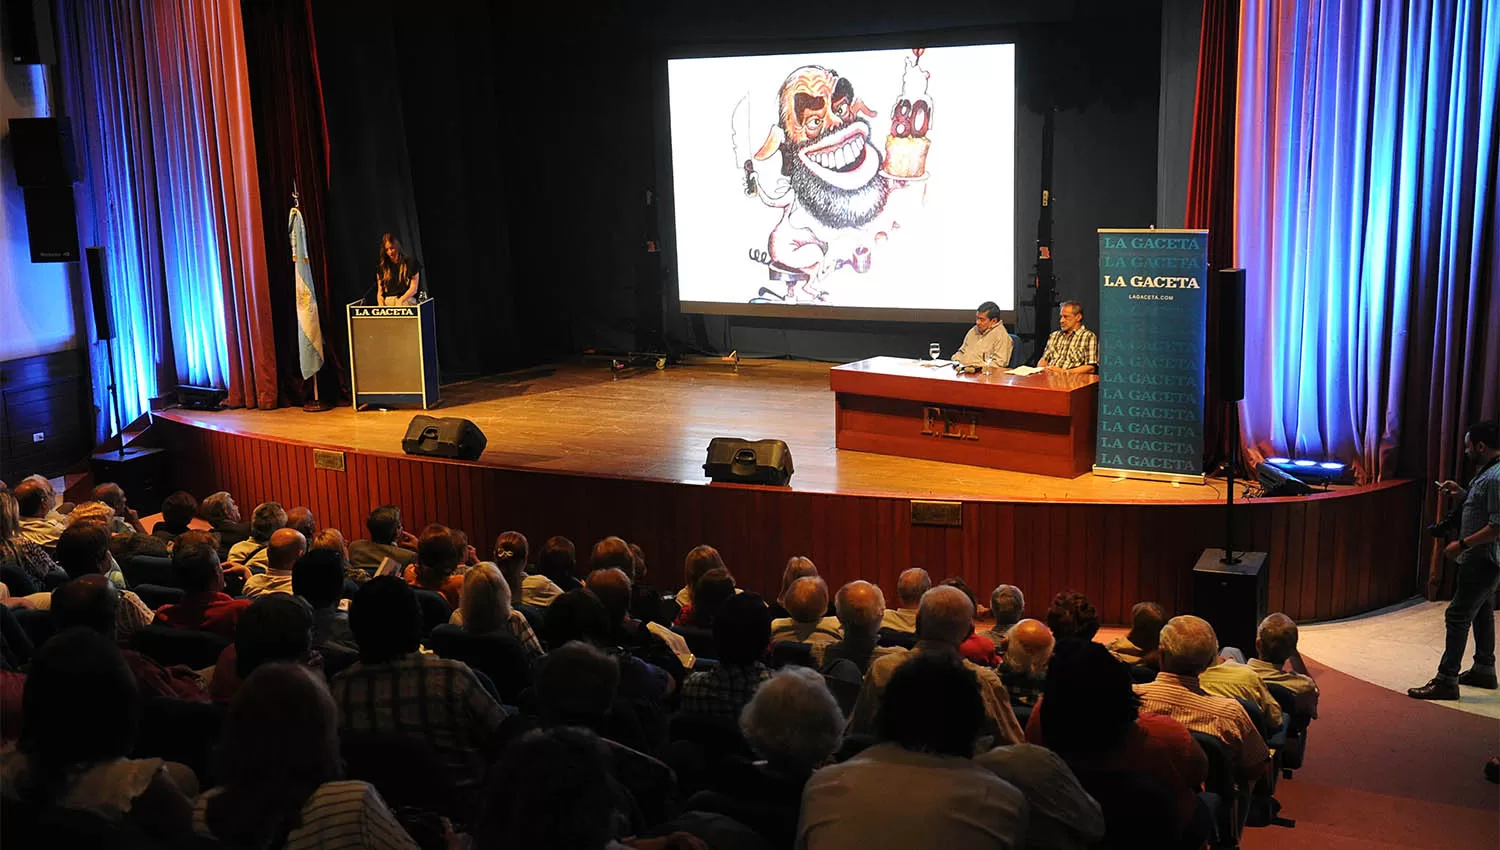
[[1384, 770]]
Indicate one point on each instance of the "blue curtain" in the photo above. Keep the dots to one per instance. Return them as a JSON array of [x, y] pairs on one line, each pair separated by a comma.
[[1365, 181]]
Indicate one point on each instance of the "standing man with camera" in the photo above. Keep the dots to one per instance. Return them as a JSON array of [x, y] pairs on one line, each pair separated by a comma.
[[1477, 552]]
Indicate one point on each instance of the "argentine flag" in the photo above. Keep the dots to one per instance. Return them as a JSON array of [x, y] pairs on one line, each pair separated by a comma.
[[309, 333]]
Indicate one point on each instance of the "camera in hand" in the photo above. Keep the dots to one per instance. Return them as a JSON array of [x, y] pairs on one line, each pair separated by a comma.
[[1448, 525]]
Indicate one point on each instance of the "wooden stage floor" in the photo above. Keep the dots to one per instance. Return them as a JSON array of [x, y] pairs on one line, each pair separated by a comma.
[[652, 425]]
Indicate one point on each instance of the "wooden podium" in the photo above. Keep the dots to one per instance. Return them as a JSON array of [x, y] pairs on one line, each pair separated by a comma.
[[393, 355], [1043, 423]]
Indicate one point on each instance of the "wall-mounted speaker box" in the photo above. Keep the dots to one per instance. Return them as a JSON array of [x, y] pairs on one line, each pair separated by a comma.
[[43, 151], [51, 224], [27, 33]]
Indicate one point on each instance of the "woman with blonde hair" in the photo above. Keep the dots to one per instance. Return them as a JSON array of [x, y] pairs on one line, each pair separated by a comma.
[[482, 633], [19, 552]]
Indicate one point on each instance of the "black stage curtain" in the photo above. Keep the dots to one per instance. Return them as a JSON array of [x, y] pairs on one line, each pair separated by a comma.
[[291, 148]]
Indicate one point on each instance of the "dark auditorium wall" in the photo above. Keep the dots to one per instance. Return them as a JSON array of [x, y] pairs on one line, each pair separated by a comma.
[[517, 146]]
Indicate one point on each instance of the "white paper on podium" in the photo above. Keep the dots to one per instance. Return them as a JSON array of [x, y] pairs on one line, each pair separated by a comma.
[[1023, 371]]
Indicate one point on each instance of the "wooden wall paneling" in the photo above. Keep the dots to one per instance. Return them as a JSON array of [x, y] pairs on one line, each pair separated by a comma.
[[1110, 561], [1131, 587], [1311, 528], [1331, 559], [982, 540], [1292, 589]]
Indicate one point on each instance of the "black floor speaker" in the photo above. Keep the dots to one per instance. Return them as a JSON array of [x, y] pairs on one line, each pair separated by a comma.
[[1232, 597], [450, 436], [748, 461]]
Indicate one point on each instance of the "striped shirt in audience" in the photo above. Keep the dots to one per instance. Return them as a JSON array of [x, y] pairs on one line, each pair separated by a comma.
[[337, 815], [1184, 700], [425, 698]]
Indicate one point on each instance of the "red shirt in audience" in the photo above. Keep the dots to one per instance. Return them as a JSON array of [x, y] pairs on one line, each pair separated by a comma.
[[450, 587], [154, 680], [210, 612], [1158, 746], [980, 650]]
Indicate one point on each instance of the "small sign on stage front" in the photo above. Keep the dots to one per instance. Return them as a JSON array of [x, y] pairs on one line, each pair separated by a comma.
[[1152, 319]]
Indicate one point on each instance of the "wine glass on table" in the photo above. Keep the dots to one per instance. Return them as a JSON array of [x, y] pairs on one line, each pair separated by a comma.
[[989, 362], [933, 350]]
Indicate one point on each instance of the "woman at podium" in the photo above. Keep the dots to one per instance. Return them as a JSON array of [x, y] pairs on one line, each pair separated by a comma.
[[396, 274]]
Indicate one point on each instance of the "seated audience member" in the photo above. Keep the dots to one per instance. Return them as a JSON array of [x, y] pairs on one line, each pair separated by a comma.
[[81, 707], [1275, 648], [16, 550], [83, 550], [177, 512], [94, 603], [287, 545], [610, 553], [126, 519], [1227, 677], [1188, 647], [204, 606], [944, 619], [249, 556], [578, 615], [1024, 670], [910, 587], [1063, 816], [37, 501], [976, 647], [333, 540], [1090, 715], [494, 605], [714, 588], [223, 516], [797, 566], [303, 520], [536, 591], [919, 786], [1138, 646], [794, 725], [648, 609], [699, 560], [482, 634], [861, 607], [1072, 615], [742, 630], [806, 602], [387, 540], [318, 577], [397, 689], [276, 627], [549, 791], [282, 776], [612, 586], [101, 515], [557, 562], [1007, 606], [437, 564]]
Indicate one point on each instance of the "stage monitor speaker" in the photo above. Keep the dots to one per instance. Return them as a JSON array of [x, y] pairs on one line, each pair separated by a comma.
[[1232, 334], [43, 151], [51, 224], [1275, 482], [98, 286], [443, 437], [748, 461], [201, 398], [28, 32], [1232, 597]]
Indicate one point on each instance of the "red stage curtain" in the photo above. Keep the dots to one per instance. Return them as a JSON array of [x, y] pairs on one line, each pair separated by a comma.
[[1210, 200], [291, 136]]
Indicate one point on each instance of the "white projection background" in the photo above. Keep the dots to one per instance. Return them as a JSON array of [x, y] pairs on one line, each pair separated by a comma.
[[845, 184]]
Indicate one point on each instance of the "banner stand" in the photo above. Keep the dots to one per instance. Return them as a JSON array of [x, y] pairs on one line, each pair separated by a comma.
[[1152, 345]]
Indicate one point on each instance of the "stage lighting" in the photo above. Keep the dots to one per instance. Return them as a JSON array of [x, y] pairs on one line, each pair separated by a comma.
[[1310, 471], [1275, 482], [200, 398]]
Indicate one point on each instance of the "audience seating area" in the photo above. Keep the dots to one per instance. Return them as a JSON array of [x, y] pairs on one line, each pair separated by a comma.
[[262, 681]]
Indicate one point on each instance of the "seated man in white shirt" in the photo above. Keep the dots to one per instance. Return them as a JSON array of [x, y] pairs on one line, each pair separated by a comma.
[[287, 545], [919, 786], [987, 337], [909, 589], [1276, 647], [807, 601]]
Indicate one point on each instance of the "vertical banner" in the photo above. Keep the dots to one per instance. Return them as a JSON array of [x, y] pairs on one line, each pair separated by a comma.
[[1152, 317]]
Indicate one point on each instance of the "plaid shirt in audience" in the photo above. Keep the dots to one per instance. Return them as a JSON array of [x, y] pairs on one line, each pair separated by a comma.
[[434, 700], [722, 691], [1078, 347], [1184, 700], [1024, 688]]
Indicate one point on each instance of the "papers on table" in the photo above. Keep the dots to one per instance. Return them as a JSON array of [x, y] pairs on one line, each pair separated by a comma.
[[1023, 371]]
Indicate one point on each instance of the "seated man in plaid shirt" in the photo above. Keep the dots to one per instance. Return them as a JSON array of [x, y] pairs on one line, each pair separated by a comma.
[[396, 689], [742, 631], [1073, 348]]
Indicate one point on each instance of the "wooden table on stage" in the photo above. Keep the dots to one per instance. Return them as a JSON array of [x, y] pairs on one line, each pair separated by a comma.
[[1041, 423]]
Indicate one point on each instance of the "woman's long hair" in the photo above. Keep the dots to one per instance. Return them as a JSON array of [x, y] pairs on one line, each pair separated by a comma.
[[280, 743], [383, 262], [485, 599], [511, 552]]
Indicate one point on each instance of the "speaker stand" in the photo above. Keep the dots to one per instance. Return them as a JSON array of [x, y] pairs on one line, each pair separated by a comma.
[[114, 396], [314, 404]]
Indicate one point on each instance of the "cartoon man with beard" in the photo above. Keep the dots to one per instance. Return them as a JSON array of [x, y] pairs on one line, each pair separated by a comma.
[[834, 200]]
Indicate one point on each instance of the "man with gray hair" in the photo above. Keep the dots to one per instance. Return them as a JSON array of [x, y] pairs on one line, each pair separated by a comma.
[[1006, 606], [1275, 648], [1024, 669], [806, 600], [944, 619], [1189, 646], [250, 556], [860, 606], [909, 589]]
